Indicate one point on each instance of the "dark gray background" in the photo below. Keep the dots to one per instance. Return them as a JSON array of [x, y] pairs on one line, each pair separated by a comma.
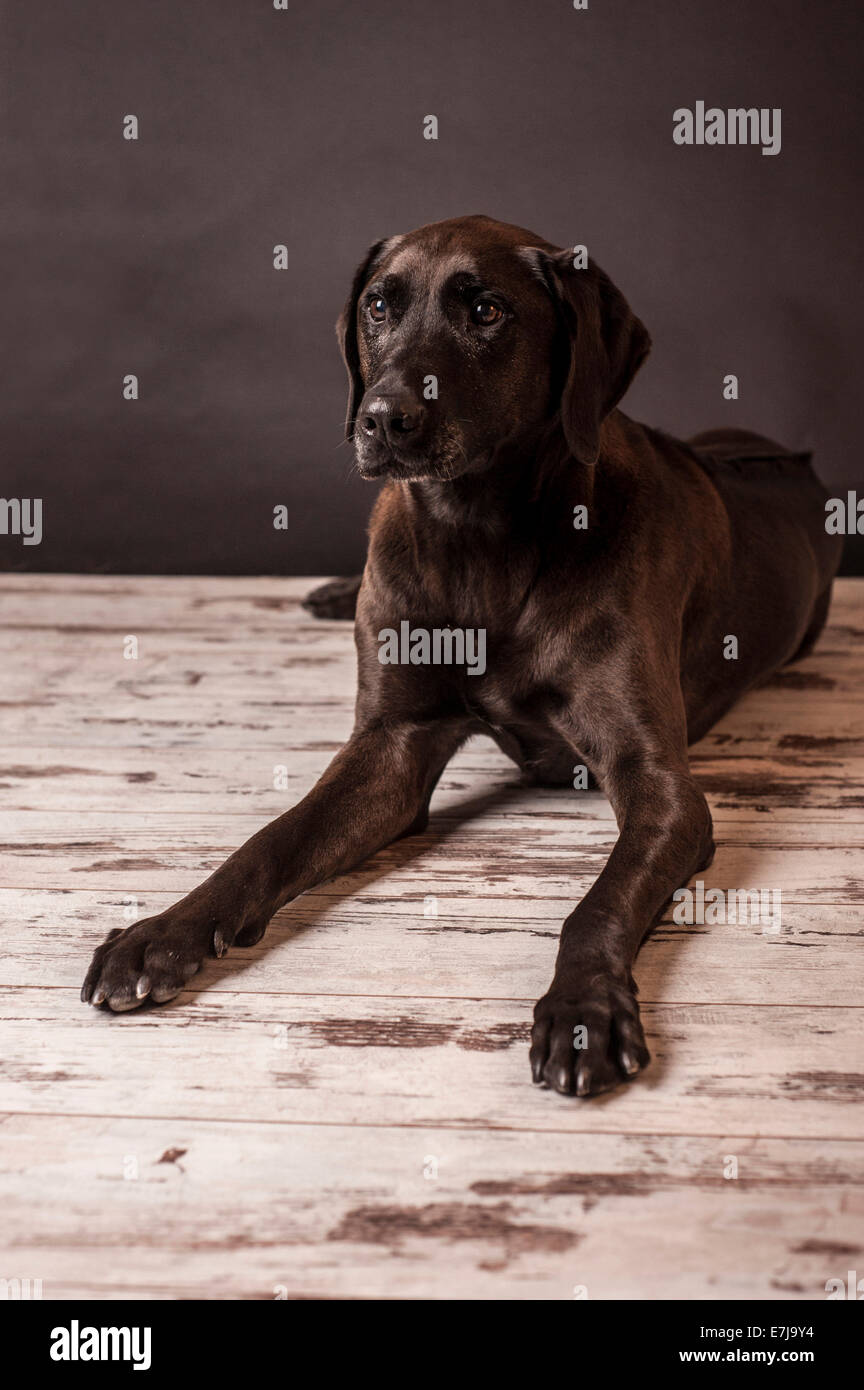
[[305, 127]]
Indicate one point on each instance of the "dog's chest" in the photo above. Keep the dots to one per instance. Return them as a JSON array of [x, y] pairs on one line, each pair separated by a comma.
[[528, 672]]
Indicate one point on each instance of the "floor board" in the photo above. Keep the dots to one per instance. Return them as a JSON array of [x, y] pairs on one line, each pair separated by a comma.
[[344, 1110]]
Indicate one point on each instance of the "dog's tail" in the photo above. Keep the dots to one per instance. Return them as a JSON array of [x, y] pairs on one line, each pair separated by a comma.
[[336, 599]]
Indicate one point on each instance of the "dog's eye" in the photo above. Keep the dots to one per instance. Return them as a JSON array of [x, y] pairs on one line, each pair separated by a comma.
[[485, 312], [377, 309]]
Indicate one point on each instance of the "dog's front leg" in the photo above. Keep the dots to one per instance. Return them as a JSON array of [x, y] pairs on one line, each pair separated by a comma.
[[587, 1034], [376, 789]]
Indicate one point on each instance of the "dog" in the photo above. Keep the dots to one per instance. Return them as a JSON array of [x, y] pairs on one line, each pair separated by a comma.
[[631, 587]]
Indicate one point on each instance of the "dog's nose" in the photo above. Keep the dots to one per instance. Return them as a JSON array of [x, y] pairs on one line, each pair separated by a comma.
[[391, 417]]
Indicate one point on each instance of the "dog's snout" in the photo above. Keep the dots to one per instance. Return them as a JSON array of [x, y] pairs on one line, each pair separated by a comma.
[[391, 417]]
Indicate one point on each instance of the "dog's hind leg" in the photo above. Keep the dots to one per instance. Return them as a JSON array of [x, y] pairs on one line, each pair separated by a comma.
[[336, 599], [817, 623]]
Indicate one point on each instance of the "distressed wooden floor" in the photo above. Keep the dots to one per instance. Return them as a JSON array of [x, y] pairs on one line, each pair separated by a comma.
[[345, 1109]]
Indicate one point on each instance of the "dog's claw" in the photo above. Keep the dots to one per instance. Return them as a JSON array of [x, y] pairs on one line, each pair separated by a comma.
[[220, 945], [121, 1003], [162, 993], [629, 1063]]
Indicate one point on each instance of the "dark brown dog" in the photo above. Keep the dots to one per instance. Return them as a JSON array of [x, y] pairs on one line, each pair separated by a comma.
[[606, 646]]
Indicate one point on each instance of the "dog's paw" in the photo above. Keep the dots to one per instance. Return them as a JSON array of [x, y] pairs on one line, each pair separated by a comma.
[[588, 1038], [151, 960]]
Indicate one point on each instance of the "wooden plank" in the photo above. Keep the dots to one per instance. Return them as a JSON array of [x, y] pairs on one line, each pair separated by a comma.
[[262, 1211], [123, 780], [717, 1069], [206, 593], [817, 863], [244, 696], [463, 830], [756, 725], [310, 1084], [148, 604], [275, 723], [278, 662], [370, 944]]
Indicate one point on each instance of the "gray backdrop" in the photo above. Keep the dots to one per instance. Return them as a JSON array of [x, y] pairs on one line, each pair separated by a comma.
[[304, 127]]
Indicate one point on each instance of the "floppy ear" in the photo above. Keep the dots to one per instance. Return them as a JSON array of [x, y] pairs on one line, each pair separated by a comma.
[[603, 342], [346, 332]]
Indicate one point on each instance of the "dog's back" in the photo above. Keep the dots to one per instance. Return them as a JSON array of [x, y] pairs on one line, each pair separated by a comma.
[[758, 476]]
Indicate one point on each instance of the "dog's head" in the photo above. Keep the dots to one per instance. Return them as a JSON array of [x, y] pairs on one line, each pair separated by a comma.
[[464, 336]]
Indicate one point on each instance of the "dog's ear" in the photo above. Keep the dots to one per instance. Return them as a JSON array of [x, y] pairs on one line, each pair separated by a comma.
[[346, 332], [603, 345]]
